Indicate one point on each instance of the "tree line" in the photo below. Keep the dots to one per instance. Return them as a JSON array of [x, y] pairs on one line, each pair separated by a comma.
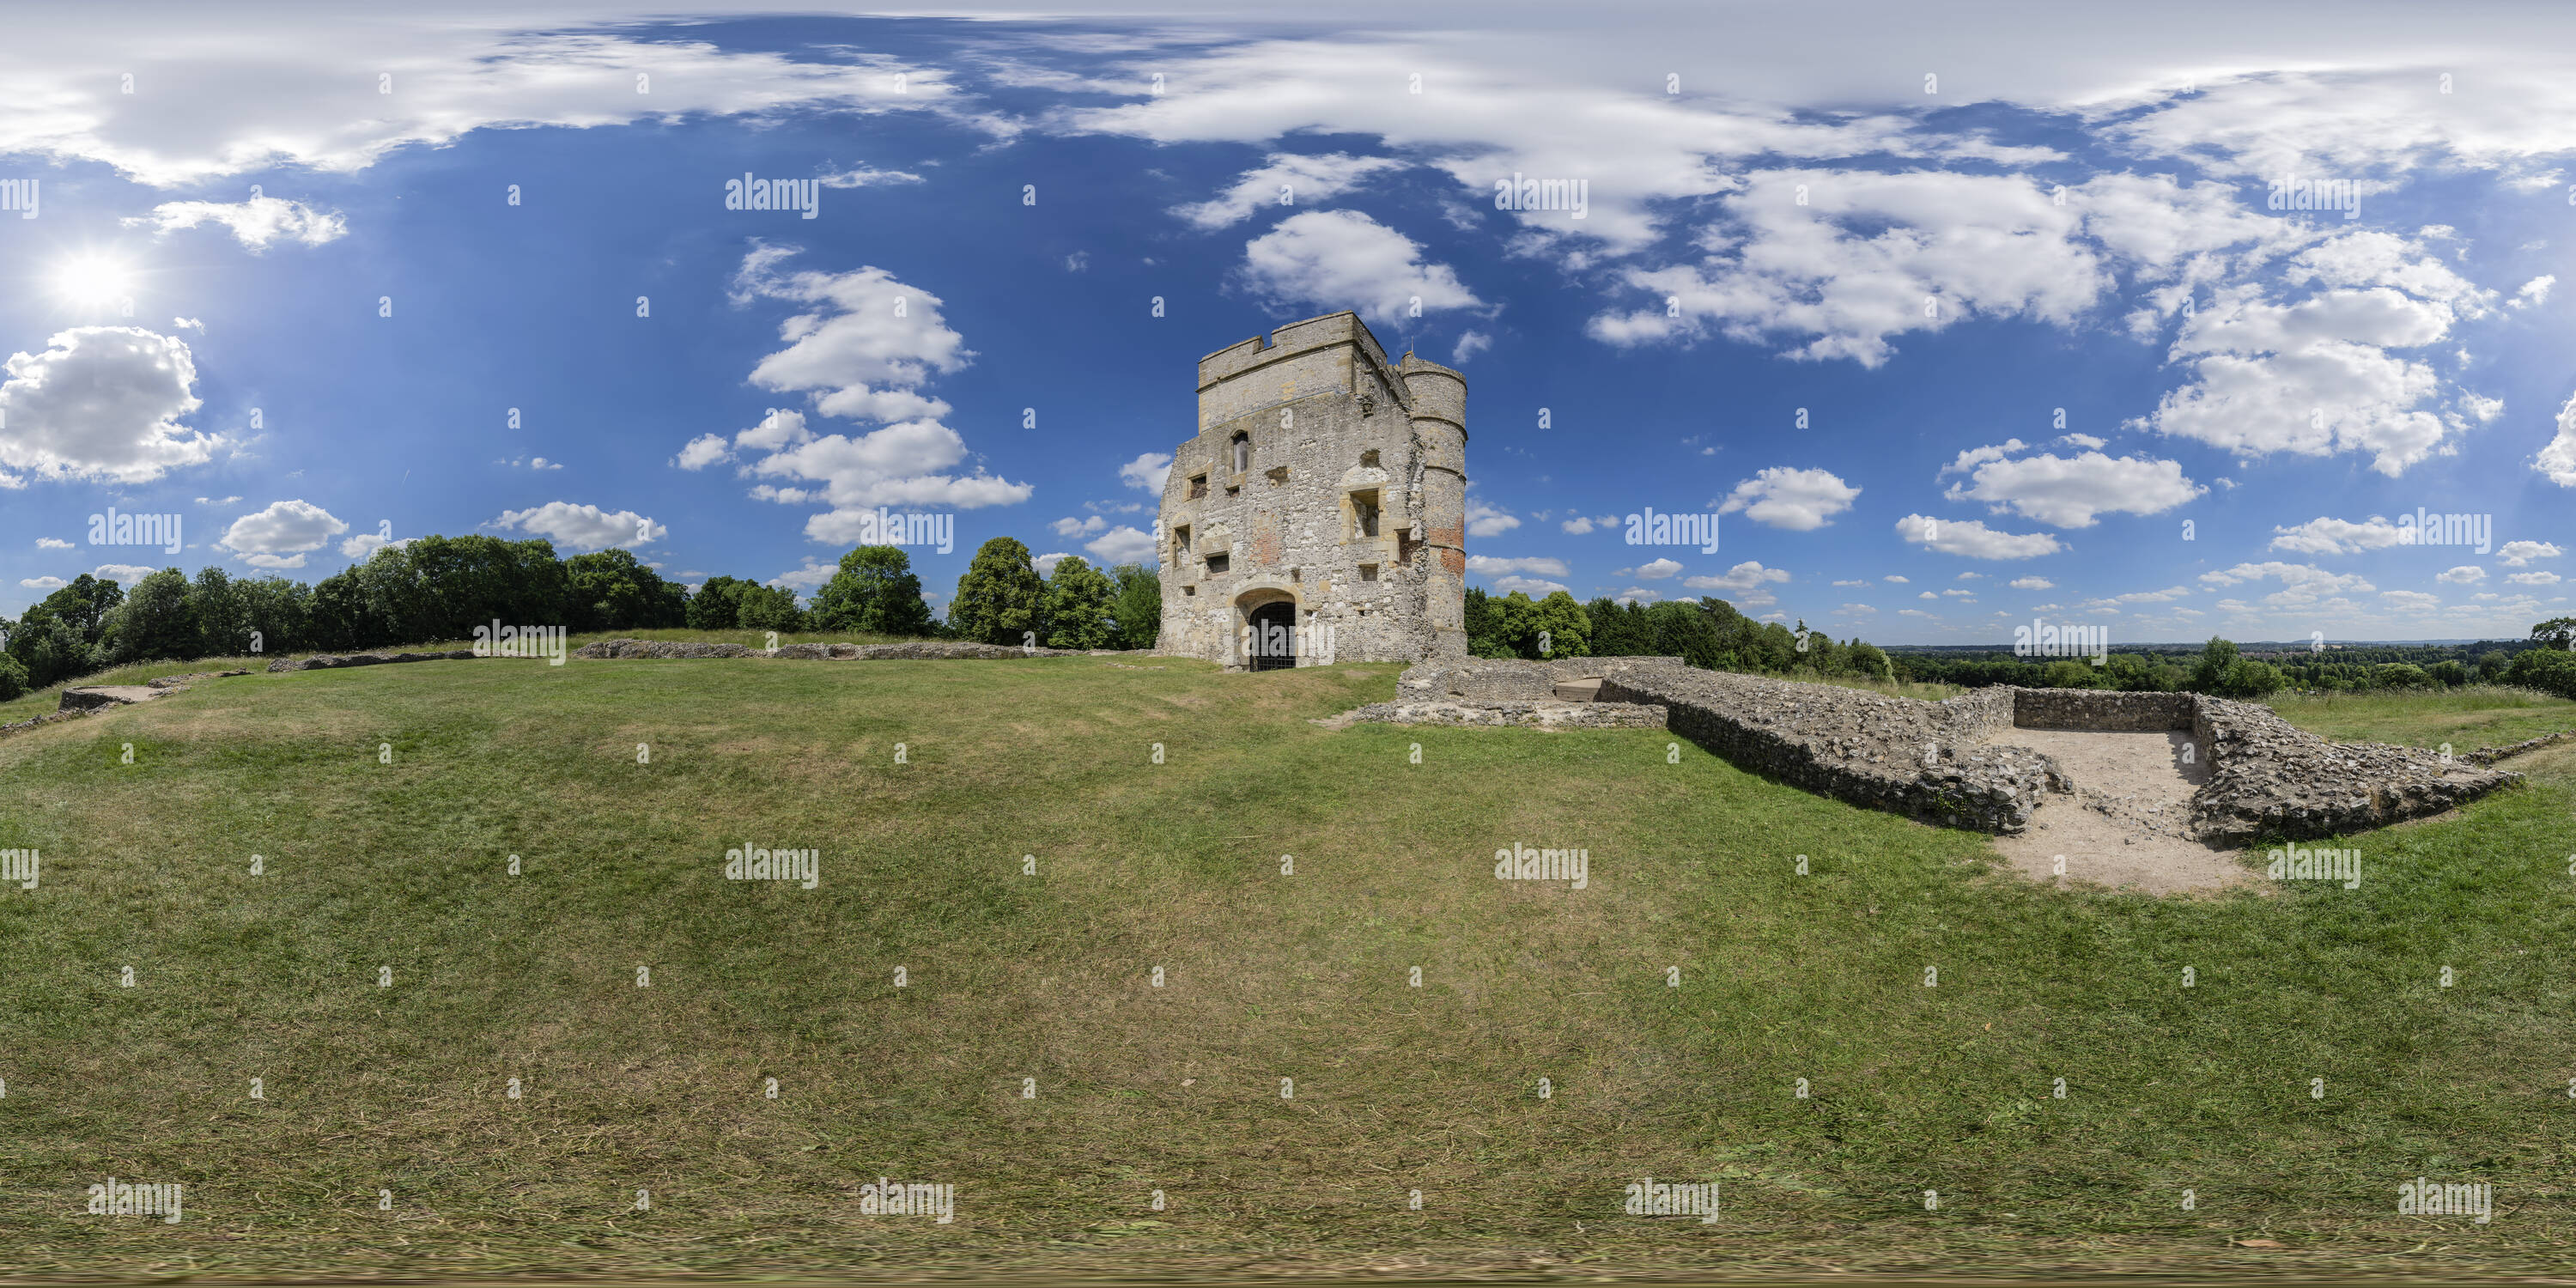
[[440, 588]]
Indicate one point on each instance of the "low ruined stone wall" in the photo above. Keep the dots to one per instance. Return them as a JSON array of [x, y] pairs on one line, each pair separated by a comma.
[[1953, 763], [913, 650], [1897, 754], [2100, 710], [1503, 713]]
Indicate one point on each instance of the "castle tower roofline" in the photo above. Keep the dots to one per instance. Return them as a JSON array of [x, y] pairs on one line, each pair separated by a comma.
[[1296, 338]]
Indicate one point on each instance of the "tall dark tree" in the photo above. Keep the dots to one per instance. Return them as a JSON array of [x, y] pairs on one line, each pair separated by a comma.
[[1077, 606], [873, 592], [1000, 599], [1138, 607]]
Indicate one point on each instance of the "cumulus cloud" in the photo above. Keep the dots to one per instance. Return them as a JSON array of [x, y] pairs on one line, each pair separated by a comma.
[[1332, 259], [583, 527], [1306, 179], [2324, 536], [2033, 583], [1974, 539], [101, 403], [52, 543], [1746, 584], [2302, 585], [2532, 579], [125, 574], [861, 350], [2464, 575], [43, 583], [1470, 343], [1123, 544], [1489, 566], [1583, 526], [1485, 520], [1045, 564], [1654, 570], [255, 223], [281, 535], [1147, 472], [2318, 376], [1798, 500], [808, 579], [2557, 459], [2070, 492], [2535, 291], [1534, 587], [364, 546], [2515, 554]]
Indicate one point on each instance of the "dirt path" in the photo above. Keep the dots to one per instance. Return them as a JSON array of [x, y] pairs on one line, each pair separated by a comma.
[[2128, 824]]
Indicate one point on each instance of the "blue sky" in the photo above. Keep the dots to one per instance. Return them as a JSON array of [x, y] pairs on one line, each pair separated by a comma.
[[309, 216]]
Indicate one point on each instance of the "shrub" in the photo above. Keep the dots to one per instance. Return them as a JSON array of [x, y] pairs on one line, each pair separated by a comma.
[[13, 679], [2547, 670], [875, 591], [1000, 598], [1077, 606]]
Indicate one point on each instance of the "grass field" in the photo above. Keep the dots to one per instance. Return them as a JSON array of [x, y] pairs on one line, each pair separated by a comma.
[[386, 804]]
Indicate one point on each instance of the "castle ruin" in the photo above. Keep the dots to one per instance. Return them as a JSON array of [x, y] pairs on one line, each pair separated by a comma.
[[1320, 515]]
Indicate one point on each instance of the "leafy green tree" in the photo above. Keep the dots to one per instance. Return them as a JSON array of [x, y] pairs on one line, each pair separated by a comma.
[[875, 592], [2399, 675], [1619, 630], [2558, 633], [2249, 679], [1078, 606], [13, 679], [717, 605], [612, 591], [1000, 600], [2067, 673], [1517, 626], [768, 608], [222, 612], [1690, 631], [2215, 658], [156, 621], [1138, 606], [2449, 673], [2548, 670], [1870, 660], [2492, 665]]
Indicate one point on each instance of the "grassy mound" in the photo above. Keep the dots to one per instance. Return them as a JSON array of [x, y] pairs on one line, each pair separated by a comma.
[[386, 804]]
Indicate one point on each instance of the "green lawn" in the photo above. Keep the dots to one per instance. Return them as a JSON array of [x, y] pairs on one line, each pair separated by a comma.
[[1267, 975]]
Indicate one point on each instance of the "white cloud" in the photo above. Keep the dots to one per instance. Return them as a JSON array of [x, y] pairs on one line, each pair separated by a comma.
[[1309, 179], [1470, 343], [861, 351], [1746, 584], [43, 583], [1974, 539], [228, 500], [1334, 259], [1489, 566], [281, 535], [255, 223], [1147, 472], [1045, 564], [2070, 492], [1582, 526], [2515, 554], [1656, 570], [2086, 441], [859, 176], [1534, 587], [1797, 500], [245, 94], [52, 543], [1637, 595], [1124, 544], [2464, 575], [810, 578], [1892, 577], [703, 451], [364, 546], [102, 403], [583, 527], [2033, 583], [2302, 585], [2324, 536], [2317, 377], [2532, 579], [1488, 521], [2557, 458], [2535, 291], [1850, 583], [127, 574], [1070, 528], [2410, 602]]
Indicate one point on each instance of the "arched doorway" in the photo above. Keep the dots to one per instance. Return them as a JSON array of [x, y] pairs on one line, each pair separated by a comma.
[[1273, 631]]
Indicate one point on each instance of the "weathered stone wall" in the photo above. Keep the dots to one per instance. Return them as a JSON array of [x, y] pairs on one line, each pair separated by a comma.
[[1897, 754], [1329, 423], [2101, 710], [1953, 762]]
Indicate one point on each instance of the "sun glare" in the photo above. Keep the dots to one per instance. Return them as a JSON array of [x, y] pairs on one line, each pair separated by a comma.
[[93, 280]]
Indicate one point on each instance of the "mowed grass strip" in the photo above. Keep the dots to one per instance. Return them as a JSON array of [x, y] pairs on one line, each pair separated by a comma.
[[385, 804]]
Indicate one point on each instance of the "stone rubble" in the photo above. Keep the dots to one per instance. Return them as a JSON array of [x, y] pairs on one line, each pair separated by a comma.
[[1952, 763]]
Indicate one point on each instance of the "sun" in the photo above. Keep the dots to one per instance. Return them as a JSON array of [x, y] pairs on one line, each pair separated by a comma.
[[93, 280]]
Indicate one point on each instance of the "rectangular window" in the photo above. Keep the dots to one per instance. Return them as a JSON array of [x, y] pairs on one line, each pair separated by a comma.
[[1363, 514], [1181, 539], [1217, 564], [1368, 572], [1198, 486]]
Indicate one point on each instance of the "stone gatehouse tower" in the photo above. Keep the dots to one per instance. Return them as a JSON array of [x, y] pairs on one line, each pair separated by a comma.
[[1323, 504]]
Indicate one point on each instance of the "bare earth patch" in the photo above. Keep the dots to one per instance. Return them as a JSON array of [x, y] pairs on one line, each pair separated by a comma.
[[2128, 825]]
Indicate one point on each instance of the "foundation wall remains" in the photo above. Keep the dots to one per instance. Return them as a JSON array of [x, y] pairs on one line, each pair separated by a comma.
[[1953, 763]]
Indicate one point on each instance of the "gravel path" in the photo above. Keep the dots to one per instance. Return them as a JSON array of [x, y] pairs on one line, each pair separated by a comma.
[[2128, 825]]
